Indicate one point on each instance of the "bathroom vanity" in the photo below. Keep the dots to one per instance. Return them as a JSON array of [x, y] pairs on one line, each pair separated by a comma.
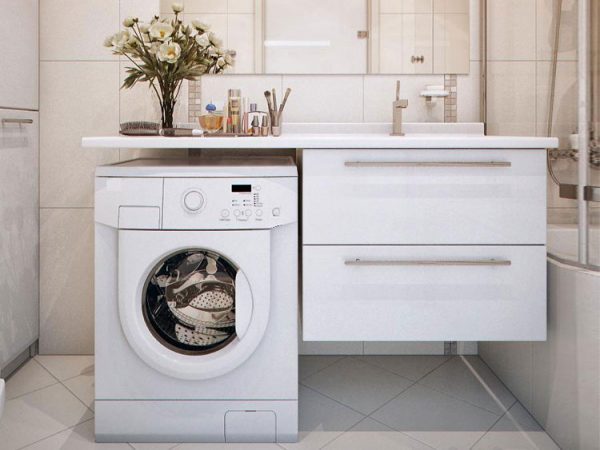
[[439, 235]]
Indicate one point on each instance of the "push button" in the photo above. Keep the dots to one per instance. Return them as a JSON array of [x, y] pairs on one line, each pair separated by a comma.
[[276, 212]]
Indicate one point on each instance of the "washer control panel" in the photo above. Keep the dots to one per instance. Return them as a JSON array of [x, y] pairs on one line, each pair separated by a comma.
[[224, 203]]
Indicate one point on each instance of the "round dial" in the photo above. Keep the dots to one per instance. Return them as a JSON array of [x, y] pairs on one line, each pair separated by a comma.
[[193, 200]]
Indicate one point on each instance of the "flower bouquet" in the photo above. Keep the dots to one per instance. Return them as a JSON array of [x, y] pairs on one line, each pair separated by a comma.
[[166, 52]]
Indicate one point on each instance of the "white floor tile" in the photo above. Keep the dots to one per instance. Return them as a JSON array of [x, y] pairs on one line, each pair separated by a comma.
[[436, 419], [517, 430], [40, 414], [30, 377], [153, 446], [80, 437], [321, 420], [370, 434], [83, 388], [357, 384], [473, 381], [227, 447], [412, 367], [311, 364], [64, 367]]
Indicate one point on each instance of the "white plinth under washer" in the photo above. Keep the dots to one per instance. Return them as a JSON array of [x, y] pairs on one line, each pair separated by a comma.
[[196, 301]]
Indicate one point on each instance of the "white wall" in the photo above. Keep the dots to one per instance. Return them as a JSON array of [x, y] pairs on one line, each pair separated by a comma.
[[79, 88]]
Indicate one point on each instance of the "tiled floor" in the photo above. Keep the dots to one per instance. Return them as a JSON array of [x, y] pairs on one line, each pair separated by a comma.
[[346, 403]]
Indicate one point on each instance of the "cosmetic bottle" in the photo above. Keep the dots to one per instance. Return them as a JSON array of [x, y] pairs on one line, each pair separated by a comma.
[[264, 126], [249, 119], [234, 109]]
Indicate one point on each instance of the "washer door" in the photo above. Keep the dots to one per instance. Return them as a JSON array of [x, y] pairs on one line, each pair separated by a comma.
[[194, 305]]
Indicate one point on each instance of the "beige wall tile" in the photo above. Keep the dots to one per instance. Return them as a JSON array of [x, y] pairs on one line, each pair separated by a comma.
[[451, 6], [406, 6], [241, 6], [75, 29], [469, 94], [511, 98], [142, 9], [206, 6], [66, 281], [546, 23], [380, 92], [475, 28], [77, 99], [240, 37], [324, 98], [513, 363], [511, 30]]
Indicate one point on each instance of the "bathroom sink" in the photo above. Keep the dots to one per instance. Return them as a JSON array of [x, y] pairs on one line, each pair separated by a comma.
[[409, 128]]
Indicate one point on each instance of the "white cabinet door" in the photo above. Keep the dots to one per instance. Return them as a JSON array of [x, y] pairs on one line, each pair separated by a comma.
[[424, 293], [424, 197], [19, 211], [20, 54]]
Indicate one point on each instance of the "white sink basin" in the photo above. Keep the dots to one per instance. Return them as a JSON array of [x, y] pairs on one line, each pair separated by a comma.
[[474, 128]]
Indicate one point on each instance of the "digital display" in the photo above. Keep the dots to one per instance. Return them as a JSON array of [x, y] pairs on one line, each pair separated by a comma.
[[241, 188]]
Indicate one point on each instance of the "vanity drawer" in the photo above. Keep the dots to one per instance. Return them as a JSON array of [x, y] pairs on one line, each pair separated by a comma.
[[424, 293], [424, 197]]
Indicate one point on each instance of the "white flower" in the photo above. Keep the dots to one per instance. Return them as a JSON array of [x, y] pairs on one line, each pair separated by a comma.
[[200, 26], [128, 22], [161, 31], [108, 42], [203, 40], [121, 39], [169, 52], [228, 58], [177, 7], [144, 28], [214, 39], [221, 62], [153, 48]]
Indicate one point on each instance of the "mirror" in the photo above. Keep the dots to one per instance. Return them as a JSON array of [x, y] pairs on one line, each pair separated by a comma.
[[348, 36]]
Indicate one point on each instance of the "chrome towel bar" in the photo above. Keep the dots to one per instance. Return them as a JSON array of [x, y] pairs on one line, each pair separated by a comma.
[[476, 262], [427, 164], [17, 121]]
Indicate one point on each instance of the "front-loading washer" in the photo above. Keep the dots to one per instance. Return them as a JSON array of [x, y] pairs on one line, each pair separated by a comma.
[[196, 265]]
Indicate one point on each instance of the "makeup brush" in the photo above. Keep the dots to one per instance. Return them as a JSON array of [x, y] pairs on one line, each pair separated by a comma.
[[287, 94], [274, 101], [269, 105]]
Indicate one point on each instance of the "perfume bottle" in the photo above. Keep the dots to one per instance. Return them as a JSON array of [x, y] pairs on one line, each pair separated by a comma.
[[254, 113]]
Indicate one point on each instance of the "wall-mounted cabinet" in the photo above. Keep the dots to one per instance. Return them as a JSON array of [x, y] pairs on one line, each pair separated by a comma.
[[19, 50]]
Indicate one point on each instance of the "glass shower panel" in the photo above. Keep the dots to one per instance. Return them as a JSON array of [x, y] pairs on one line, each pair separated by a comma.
[[594, 165]]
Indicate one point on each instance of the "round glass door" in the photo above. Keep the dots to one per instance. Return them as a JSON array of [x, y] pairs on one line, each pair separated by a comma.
[[189, 301]]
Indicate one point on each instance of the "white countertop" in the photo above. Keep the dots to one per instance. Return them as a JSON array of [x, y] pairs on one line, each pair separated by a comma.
[[348, 136]]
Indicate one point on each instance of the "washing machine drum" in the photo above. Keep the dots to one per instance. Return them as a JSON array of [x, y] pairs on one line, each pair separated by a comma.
[[194, 304], [189, 301]]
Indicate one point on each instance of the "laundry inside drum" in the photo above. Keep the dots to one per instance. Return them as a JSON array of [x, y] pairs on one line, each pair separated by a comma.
[[189, 301]]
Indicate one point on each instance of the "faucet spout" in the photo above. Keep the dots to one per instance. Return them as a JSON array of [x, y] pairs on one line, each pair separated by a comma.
[[397, 106]]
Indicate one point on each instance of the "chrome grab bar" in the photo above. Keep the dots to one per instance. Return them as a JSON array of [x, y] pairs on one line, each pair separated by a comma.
[[17, 121], [416, 262], [428, 164]]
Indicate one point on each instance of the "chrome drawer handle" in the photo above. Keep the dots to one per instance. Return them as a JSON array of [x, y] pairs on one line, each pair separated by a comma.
[[432, 262], [427, 164], [17, 121]]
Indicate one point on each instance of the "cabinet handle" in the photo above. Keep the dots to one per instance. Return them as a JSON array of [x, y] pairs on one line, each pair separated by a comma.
[[475, 262], [17, 121], [472, 164]]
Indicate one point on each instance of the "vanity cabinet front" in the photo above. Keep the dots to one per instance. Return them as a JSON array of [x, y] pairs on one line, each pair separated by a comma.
[[424, 245], [424, 197]]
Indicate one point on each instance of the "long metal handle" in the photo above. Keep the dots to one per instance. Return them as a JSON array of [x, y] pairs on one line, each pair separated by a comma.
[[471, 164], [17, 121], [430, 262]]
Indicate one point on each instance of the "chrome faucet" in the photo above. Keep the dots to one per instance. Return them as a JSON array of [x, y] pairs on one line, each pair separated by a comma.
[[398, 106]]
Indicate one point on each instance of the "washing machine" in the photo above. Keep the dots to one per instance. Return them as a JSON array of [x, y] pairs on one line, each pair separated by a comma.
[[196, 281]]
